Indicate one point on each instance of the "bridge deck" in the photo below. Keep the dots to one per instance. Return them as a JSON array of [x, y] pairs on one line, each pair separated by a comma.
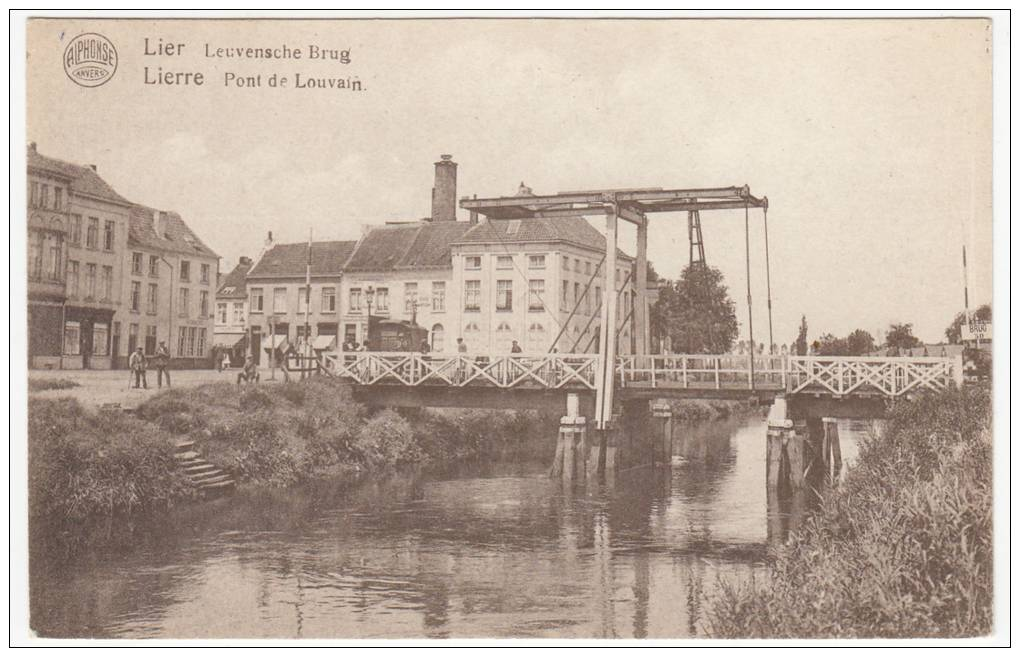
[[689, 376]]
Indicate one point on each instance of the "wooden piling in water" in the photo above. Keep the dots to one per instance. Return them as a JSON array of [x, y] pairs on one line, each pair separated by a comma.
[[569, 461], [662, 429], [832, 455]]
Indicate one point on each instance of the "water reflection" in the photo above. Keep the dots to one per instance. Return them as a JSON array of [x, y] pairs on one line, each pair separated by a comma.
[[486, 550]]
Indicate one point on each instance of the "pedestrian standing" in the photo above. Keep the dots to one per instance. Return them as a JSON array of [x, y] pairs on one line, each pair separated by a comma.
[[137, 363], [162, 360]]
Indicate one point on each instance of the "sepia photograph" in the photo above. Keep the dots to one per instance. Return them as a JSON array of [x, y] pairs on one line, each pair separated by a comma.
[[501, 326]]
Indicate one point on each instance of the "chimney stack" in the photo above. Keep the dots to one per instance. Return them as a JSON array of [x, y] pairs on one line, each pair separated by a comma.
[[269, 239], [444, 193], [244, 261], [31, 146], [93, 167]]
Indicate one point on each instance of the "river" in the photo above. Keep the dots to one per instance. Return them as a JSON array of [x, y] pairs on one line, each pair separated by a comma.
[[493, 550]]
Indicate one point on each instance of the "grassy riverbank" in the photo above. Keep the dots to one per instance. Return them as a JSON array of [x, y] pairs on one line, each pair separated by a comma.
[[901, 548], [85, 463]]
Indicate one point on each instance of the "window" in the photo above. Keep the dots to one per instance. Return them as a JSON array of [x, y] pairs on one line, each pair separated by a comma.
[[100, 339], [577, 294], [72, 278], [472, 295], [238, 317], [438, 336], [136, 295], [35, 255], [90, 281], [410, 297], [504, 338], [183, 307], [302, 294], [75, 222], [108, 236], [150, 340], [536, 338], [72, 338], [136, 263], [438, 296], [279, 300], [566, 262], [221, 313], [536, 261], [203, 300], [53, 259], [185, 271], [536, 294], [504, 295], [504, 262], [33, 194], [92, 234], [153, 265], [382, 300], [58, 198], [200, 343], [106, 287], [329, 300], [256, 300], [182, 336], [577, 266], [565, 295], [204, 273], [44, 197], [587, 302], [587, 267], [472, 263], [598, 297], [132, 338], [354, 300]]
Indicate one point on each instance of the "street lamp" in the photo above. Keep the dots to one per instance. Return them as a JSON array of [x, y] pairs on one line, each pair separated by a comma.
[[369, 296]]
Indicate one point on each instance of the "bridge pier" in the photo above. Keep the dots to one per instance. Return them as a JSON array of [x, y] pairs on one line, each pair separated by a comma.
[[569, 461], [662, 432]]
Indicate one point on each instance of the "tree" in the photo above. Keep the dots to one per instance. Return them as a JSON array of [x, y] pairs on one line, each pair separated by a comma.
[[800, 345], [953, 333], [696, 312], [901, 336], [857, 343]]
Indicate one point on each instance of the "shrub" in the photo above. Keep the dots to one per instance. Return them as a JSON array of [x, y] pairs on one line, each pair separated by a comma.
[[902, 548], [255, 398], [386, 439], [44, 384], [263, 456], [83, 463]]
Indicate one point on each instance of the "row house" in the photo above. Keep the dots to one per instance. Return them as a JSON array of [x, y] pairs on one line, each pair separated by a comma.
[[537, 282], [77, 238], [169, 289], [97, 289], [230, 331], [403, 272], [276, 291]]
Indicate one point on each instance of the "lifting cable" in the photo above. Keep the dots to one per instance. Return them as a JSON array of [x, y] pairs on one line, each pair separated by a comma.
[[768, 278], [747, 258], [619, 291], [577, 304]]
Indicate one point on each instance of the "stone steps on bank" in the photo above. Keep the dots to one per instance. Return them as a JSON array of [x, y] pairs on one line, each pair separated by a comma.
[[207, 477]]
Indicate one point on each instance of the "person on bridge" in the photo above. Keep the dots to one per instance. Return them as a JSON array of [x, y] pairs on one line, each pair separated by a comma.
[[137, 364], [162, 360], [424, 348], [461, 347], [516, 348]]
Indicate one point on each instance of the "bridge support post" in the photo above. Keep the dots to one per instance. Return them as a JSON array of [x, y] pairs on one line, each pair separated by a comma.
[[662, 431], [570, 444], [832, 455], [786, 450]]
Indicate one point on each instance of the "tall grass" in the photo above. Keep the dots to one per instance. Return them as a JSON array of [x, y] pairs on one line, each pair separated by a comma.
[[901, 548], [83, 463]]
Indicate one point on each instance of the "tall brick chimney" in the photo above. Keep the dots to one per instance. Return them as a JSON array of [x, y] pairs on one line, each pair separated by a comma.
[[444, 193]]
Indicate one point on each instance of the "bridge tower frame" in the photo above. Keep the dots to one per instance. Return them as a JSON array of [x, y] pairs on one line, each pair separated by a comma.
[[633, 206]]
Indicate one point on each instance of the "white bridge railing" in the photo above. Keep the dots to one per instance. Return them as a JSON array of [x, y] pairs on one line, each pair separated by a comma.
[[836, 375]]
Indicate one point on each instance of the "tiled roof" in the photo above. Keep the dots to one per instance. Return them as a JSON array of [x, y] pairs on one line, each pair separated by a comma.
[[431, 247], [569, 229], [291, 259], [179, 237], [383, 248], [83, 179], [233, 284]]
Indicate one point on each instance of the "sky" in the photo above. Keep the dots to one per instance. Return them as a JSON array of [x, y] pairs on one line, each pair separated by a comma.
[[872, 140]]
